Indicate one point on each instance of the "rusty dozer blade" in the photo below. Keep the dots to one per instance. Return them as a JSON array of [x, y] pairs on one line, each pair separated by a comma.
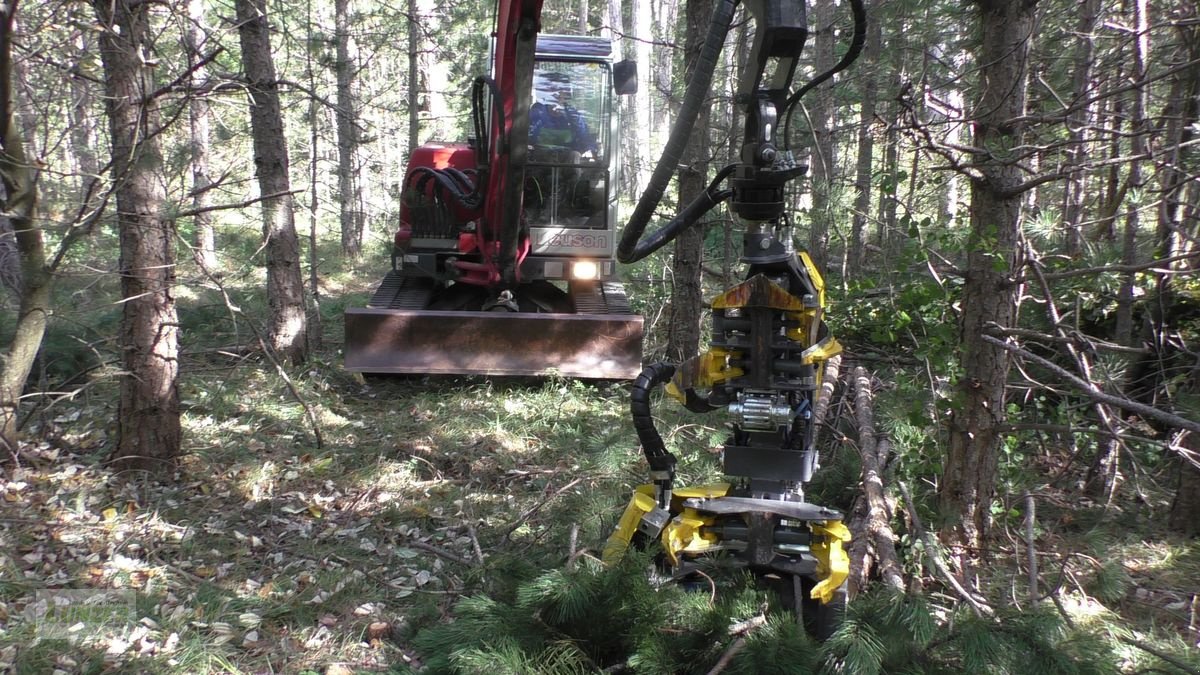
[[438, 342]]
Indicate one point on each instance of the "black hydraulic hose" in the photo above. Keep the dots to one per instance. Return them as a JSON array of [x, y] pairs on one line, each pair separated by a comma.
[[689, 216], [856, 44], [657, 455], [629, 250]]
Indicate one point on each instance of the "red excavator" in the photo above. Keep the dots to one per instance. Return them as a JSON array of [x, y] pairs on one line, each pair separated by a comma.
[[503, 260]]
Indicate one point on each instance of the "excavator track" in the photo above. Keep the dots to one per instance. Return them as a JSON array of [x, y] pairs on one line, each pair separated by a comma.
[[397, 333]]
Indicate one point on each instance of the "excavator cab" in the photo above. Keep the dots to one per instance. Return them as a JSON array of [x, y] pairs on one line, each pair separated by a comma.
[[530, 288]]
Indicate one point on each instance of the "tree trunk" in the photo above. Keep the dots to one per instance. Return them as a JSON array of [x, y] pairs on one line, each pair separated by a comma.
[[1186, 503], [204, 238], [148, 428], [643, 34], [683, 340], [20, 207], [856, 251], [1075, 190], [989, 293], [1138, 141], [414, 78], [823, 160], [287, 327], [349, 196]]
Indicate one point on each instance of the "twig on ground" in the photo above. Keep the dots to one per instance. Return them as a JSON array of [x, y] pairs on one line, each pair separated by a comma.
[[430, 548], [475, 543], [262, 343], [529, 513]]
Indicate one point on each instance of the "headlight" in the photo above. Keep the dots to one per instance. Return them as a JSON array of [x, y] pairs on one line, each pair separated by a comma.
[[585, 269]]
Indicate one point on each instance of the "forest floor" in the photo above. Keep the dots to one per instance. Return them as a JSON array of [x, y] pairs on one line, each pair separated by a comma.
[[267, 552]]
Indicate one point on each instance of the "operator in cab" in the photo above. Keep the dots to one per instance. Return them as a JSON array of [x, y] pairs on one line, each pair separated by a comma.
[[554, 123]]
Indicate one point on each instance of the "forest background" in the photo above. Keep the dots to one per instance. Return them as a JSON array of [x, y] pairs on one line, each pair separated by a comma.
[[1003, 196]]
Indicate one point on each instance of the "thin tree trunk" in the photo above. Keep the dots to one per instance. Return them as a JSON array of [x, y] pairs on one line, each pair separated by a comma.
[[856, 251], [1075, 190], [349, 196], [989, 294], [643, 36], [1186, 503], [287, 326], [1138, 144], [148, 426], [686, 292], [316, 328], [204, 239], [414, 78], [20, 207], [823, 159]]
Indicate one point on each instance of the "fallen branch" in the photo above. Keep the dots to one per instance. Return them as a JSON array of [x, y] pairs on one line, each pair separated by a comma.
[[878, 515]]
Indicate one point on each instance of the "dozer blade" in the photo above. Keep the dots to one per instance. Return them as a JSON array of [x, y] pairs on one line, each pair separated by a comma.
[[395, 335], [493, 343]]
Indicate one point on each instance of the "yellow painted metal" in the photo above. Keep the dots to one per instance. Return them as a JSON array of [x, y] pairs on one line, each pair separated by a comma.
[[833, 564], [707, 491], [703, 371], [618, 542], [686, 534]]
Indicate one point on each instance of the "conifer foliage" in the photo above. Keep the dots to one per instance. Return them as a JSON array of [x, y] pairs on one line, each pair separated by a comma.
[[591, 619]]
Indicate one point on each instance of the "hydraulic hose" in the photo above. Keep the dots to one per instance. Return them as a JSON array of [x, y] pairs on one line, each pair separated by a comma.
[[631, 249], [691, 214], [657, 455], [856, 44]]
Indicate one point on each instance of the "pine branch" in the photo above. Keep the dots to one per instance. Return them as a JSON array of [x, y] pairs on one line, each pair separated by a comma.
[[1150, 649]]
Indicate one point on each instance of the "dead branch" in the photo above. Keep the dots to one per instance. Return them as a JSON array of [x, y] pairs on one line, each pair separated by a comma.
[[1092, 392], [741, 629], [529, 513], [237, 205], [430, 548], [266, 350], [978, 607], [1085, 341]]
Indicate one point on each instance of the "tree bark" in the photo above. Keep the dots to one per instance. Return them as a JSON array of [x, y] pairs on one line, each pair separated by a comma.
[[349, 193], [204, 237], [148, 427], [20, 207], [287, 325], [989, 292], [683, 340], [1186, 503]]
